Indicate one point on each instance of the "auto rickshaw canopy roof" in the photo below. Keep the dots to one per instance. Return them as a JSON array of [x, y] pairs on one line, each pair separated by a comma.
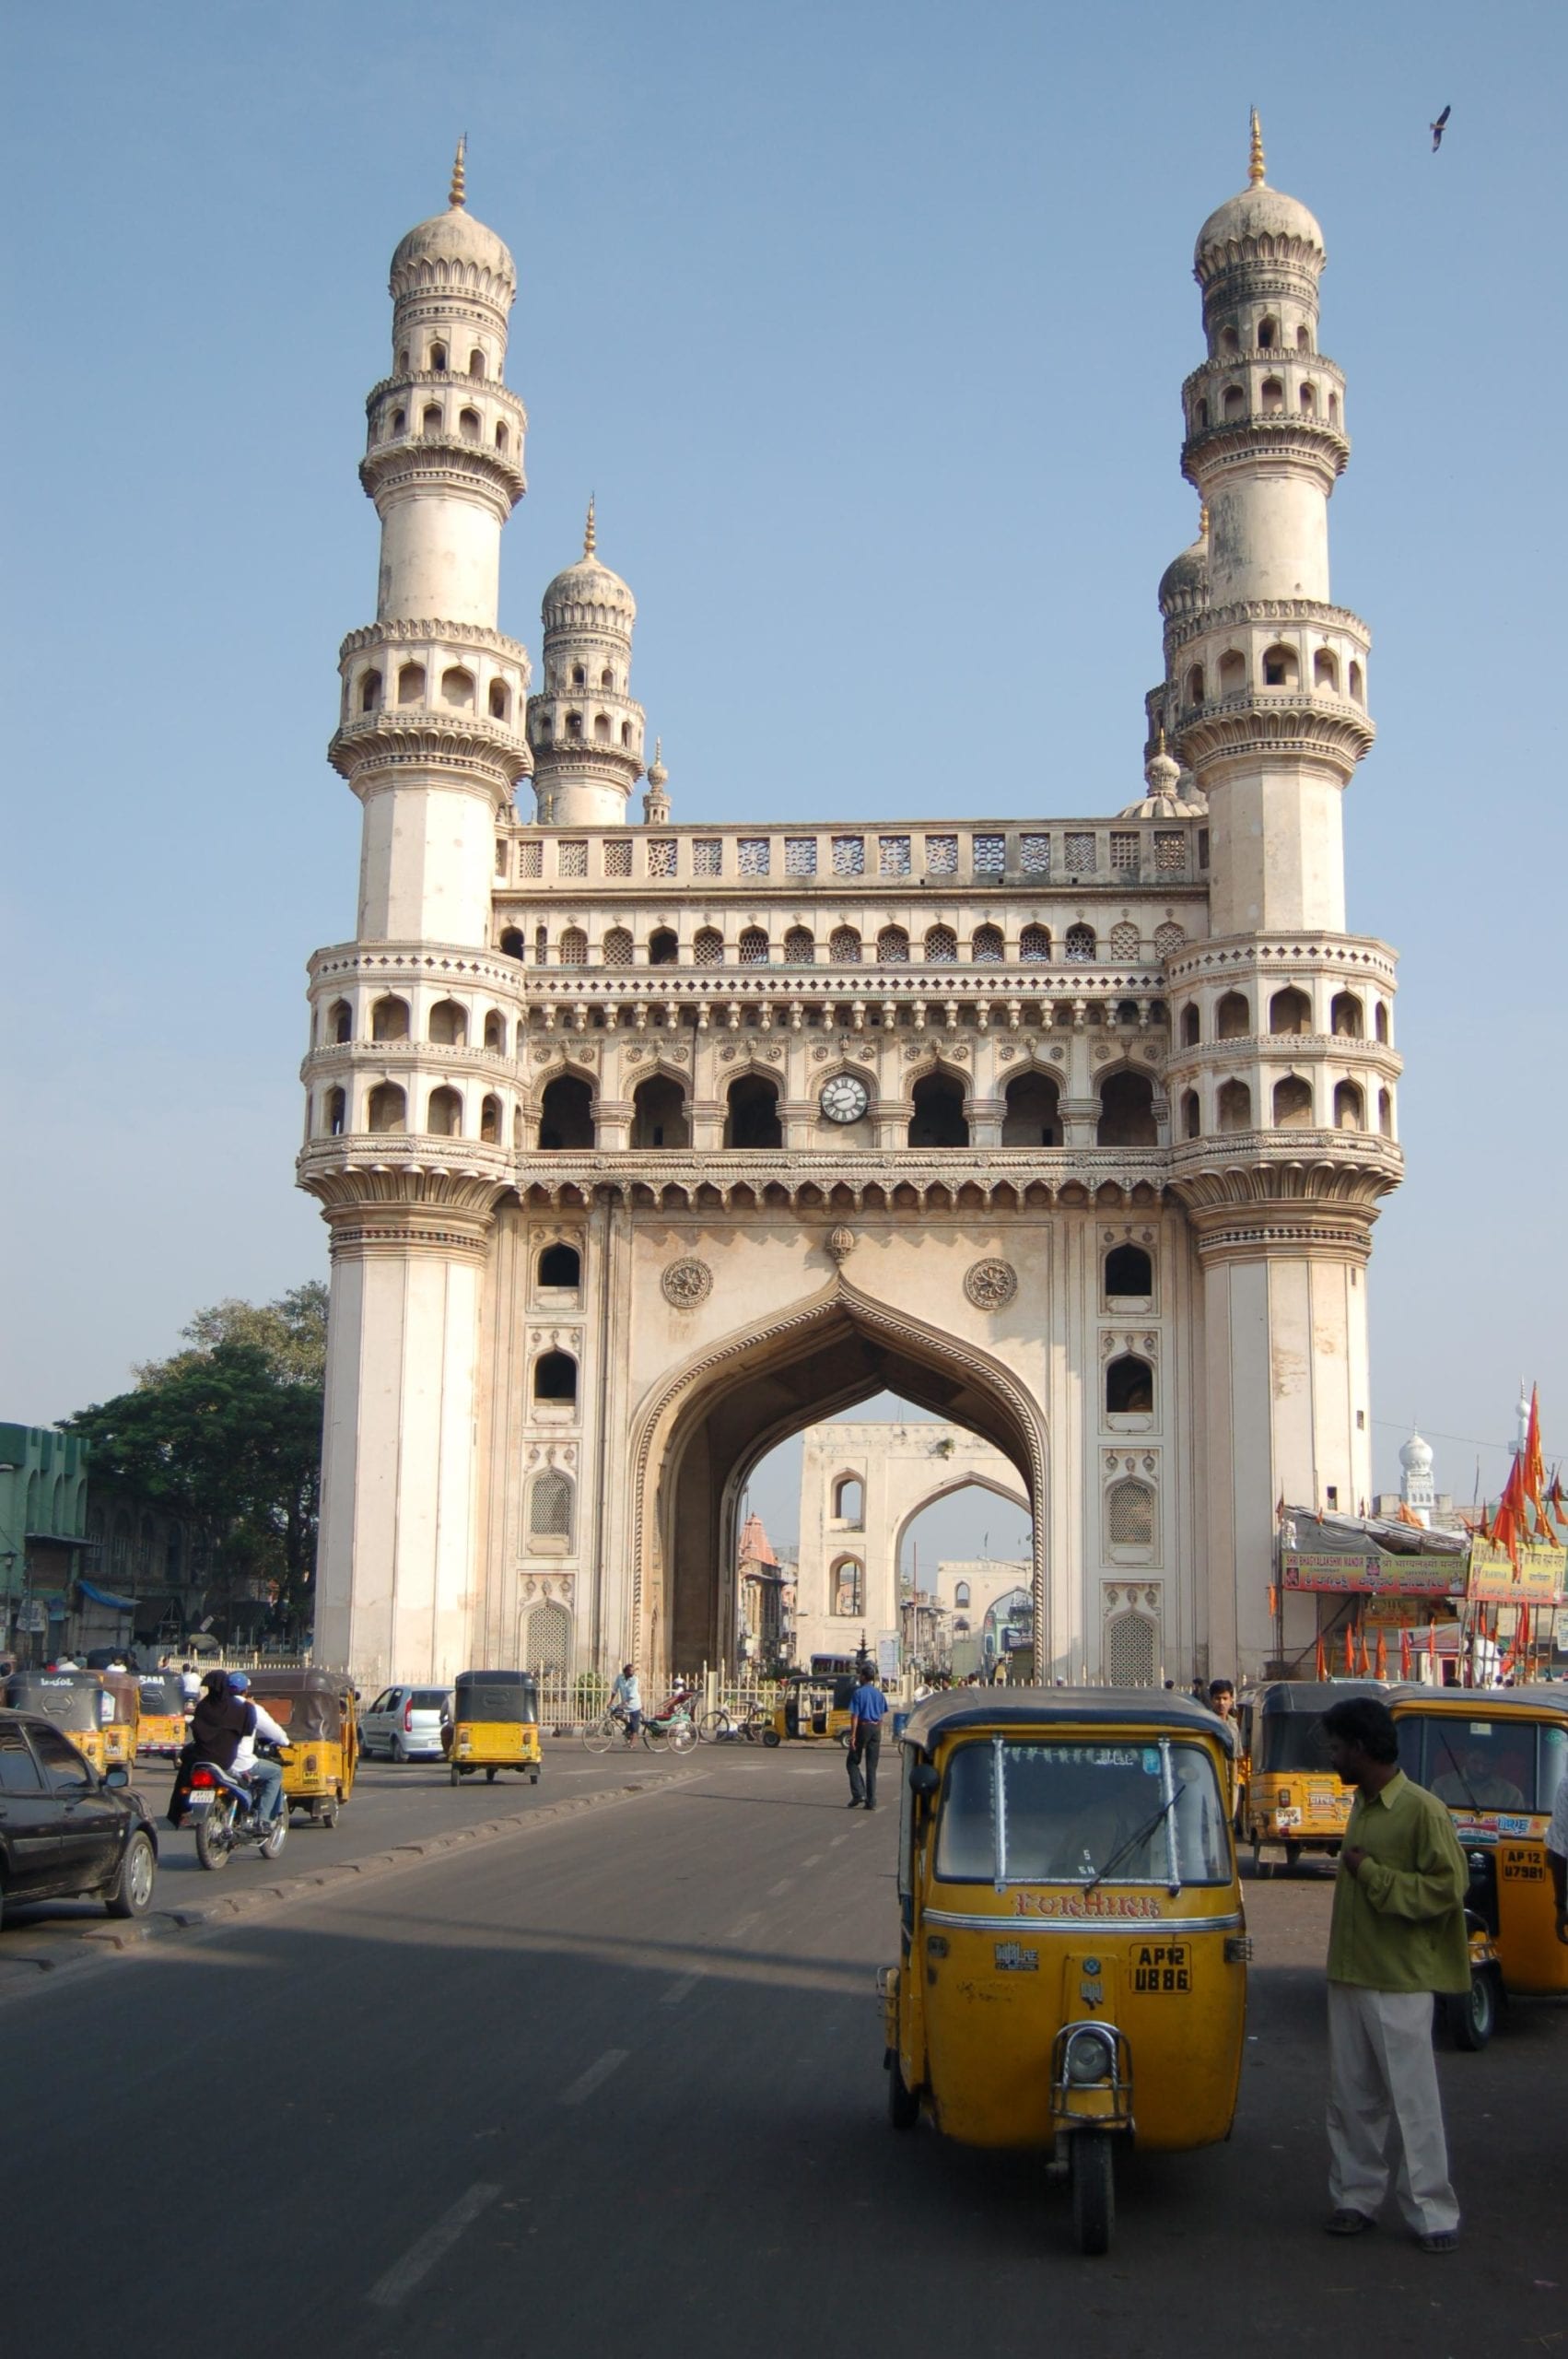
[[1485, 1703], [308, 1700], [1313, 1696], [1018, 1707], [496, 1695], [73, 1699]]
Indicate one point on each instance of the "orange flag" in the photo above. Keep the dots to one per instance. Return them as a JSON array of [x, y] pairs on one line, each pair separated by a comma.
[[1535, 1465], [1431, 1648], [1381, 1656], [1321, 1666], [1406, 1666], [1507, 1525], [1350, 1652], [1365, 1658]]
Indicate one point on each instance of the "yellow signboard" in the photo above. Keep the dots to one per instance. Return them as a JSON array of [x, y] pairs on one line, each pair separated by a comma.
[[1374, 1573], [1538, 1579]]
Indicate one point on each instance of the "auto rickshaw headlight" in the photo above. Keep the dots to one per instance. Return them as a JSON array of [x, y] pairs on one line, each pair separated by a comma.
[[1089, 2060]]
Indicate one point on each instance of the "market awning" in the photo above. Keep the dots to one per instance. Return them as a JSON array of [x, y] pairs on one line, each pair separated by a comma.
[[107, 1597]]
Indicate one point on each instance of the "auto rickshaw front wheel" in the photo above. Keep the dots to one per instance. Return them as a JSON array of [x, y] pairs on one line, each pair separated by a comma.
[[771, 1736], [1093, 2189], [1471, 2016]]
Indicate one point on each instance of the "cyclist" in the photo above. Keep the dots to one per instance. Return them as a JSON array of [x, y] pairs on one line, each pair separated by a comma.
[[625, 1701]]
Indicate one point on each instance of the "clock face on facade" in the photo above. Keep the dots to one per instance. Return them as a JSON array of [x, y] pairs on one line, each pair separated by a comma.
[[844, 1099]]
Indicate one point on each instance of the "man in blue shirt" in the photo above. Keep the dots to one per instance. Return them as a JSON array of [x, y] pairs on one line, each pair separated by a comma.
[[868, 1711]]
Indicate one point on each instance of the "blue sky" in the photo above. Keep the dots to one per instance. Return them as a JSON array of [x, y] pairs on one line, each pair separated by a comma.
[[866, 322]]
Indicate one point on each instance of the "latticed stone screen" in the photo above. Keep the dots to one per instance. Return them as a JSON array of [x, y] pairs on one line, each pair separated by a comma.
[[1081, 855], [549, 1642], [1035, 854], [550, 1506], [942, 946], [708, 856], [1170, 851], [753, 947], [1130, 1514], [708, 947], [800, 855], [617, 948], [531, 860], [800, 949], [893, 856], [844, 949], [892, 946], [752, 852], [661, 856], [941, 855], [571, 858], [574, 947], [1168, 938], [1130, 1651], [617, 858], [849, 855], [987, 948], [1125, 940], [1124, 852], [990, 855], [1034, 943], [1080, 943]]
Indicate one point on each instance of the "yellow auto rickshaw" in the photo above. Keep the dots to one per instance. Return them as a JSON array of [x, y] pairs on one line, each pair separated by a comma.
[[1497, 1757], [161, 1727], [122, 1716], [76, 1701], [1288, 1796], [317, 1710], [495, 1725], [1073, 1964], [811, 1706]]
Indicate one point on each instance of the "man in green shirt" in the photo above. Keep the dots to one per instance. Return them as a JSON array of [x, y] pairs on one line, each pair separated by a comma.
[[1397, 1935]]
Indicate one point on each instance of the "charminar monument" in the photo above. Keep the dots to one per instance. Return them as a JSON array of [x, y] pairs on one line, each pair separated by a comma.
[[644, 1145]]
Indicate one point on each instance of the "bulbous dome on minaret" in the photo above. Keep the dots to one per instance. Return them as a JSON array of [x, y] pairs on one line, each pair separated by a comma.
[[1233, 231], [452, 248], [588, 590], [1184, 585], [1415, 1455]]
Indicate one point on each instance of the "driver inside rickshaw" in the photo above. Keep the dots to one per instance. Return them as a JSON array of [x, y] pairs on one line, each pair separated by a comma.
[[1476, 1776]]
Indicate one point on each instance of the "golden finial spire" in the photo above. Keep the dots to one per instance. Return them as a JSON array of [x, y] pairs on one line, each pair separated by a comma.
[[458, 193], [1160, 747], [1204, 520], [1255, 162], [591, 531]]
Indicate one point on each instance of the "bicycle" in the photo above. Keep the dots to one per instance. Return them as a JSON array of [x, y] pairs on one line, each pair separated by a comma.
[[674, 1733]]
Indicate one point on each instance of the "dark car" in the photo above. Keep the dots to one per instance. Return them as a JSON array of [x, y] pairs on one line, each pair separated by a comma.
[[65, 1833]]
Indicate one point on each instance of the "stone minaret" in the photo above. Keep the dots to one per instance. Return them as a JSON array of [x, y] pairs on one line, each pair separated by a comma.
[[412, 1110], [584, 728], [1282, 1069]]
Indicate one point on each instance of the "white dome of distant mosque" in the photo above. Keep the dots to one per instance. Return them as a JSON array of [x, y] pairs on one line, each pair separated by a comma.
[[1415, 1456]]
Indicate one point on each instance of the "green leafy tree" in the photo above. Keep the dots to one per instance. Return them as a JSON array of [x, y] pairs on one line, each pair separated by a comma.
[[227, 1433]]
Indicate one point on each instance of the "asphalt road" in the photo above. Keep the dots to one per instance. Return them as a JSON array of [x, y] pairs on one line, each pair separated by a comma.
[[617, 2081]]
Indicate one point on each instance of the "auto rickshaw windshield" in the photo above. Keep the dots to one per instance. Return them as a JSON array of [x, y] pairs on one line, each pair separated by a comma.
[[519, 1704], [1014, 1812], [1289, 1742], [1477, 1763], [163, 1699], [71, 1703]]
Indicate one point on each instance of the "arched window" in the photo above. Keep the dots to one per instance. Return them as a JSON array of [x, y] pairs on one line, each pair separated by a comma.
[[550, 1502], [370, 692], [850, 1501], [1191, 1115], [565, 1114], [490, 1119], [617, 948], [1234, 1105], [961, 1595], [1131, 1650], [1191, 1026], [1380, 1023], [444, 1117], [1281, 669], [1326, 670], [555, 1378], [663, 949], [388, 1108], [1230, 343], [1267, 334], [1195, 685], [340, 1021], [503, 439], [500, 700], [606, 678], [602, 728], [544, 728], [626, 733], [1034, 945], [1290, 1013], [1273, 393], [336, 1113], [1358, 691], [1169, 938], [1233, 672], [431, 421], [800, 949], [1304, 339], [1233, 1018], [389, 1019], [659, 1113], [751, 1120], [1200, 417], [411, 683], [1130, 1271], [560, 1265], [1130, 1514], [1306, 401], [399, 420], [1349, 1106], [1386, 1113], [1333, 409], [512, 943], [1346, 1017], [941, 946], [1127, 1111], [708, 946], [449, 1024], [892, 946], [844, 947], [437, 355], [1078, 945], [987, 947], [1125, 940], [574, 947], [1292, 1104], [848, 1589], [938, 1118], [476, 363], [548, 1645], [1031, 1115], [752, 947], [469, 424], [1233, 404], [1130, 1387]]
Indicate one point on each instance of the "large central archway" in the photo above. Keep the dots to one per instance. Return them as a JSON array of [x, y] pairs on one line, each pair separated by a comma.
[[698, 1438]]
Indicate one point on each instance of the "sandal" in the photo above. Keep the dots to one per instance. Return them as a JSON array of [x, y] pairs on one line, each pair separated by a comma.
[[1347, 2223], [1440, 2240]]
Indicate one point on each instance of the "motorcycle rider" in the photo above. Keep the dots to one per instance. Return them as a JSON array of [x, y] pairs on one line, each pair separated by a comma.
[[218, 1724], [265, 1777]]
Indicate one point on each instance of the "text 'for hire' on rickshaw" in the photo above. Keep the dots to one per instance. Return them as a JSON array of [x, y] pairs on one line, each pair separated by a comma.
[[495, 1724], [316, 1709], [1496, 1757], [1073, 1957], [77, 1702], [161, 1727], [1288, 1794]]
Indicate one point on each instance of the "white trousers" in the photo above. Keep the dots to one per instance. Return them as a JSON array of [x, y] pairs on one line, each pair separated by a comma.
[[1384, 2107]]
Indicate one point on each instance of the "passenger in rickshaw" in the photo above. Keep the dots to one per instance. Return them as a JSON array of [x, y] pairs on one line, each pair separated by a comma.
[[1476, 1779]]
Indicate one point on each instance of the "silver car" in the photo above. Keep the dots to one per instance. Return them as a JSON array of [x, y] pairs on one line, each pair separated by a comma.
[[404, 1724]]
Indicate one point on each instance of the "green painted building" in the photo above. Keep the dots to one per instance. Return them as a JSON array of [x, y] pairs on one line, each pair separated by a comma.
[[44, 1538]]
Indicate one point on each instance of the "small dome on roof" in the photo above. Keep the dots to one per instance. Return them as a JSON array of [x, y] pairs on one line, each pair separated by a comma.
[[452, 247], [1174, 793], [1184, 585]]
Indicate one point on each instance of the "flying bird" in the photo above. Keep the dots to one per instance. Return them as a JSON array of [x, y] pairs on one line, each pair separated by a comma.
[[1438, 127]]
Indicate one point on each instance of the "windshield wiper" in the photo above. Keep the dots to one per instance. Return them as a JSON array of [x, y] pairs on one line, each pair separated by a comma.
[[1131, 1843], [1459, 1773]]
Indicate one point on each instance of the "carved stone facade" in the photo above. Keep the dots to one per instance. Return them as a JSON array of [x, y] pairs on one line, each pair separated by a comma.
[[644, 1147]]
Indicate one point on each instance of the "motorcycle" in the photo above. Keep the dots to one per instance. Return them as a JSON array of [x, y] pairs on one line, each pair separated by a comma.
[[222, 1810]]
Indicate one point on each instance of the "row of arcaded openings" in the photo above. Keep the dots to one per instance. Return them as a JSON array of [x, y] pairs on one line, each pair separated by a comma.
[[459, 691], [1280, 668], [1290, 1017], [845, 947], [1294, 1107]]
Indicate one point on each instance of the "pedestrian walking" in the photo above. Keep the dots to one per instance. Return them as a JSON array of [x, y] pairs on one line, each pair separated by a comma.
[[868, 1709], [626, 1699], [1397, 1935]]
